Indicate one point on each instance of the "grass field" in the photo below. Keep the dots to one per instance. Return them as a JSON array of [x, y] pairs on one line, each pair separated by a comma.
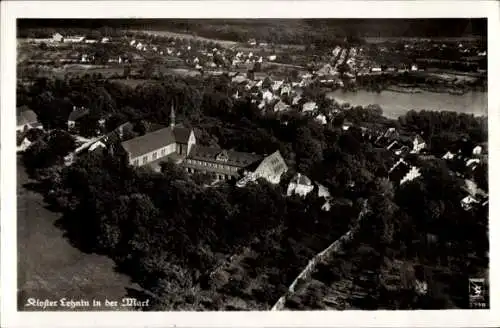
[[49, 267], [224, 43]]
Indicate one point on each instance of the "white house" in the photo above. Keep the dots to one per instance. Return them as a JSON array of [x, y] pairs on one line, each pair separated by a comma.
[[267, 96], [309, 106], [321, 118], [414, 67], [280, 106], [105, 40], [411, 175], [57, 37], [346, 126], [272, 58], [468, 202], [418, 144], [276, 85], [286, 89], [300, 185], [376, 69], [472, 162], [25, 143], [477, 150], [74, 39], [296, 100], [98, 144], [448, 155]]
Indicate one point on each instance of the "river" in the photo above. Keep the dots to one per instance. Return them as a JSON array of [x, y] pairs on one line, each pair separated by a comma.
[[395, 104]]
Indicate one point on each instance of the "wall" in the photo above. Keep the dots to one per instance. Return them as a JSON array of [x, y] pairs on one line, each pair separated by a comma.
[[323, 256], [168, 150]]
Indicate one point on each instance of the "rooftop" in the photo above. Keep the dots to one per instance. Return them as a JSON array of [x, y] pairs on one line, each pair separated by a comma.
[[26, 116], [156, 140], [229, 157]]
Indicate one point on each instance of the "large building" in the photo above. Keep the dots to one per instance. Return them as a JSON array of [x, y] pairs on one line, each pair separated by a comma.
[[178, 144], [173, 142]]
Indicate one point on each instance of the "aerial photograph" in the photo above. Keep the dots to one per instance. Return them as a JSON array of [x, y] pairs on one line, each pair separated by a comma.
[[252, 164]]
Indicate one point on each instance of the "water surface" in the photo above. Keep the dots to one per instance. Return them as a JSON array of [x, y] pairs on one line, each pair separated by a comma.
[[395, 104]]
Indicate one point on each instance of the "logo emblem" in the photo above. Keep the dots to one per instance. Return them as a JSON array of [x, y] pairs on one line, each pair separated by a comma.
[[477, 297]]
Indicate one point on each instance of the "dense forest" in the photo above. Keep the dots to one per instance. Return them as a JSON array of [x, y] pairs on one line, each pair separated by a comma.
[[149, 222], [286, 31]]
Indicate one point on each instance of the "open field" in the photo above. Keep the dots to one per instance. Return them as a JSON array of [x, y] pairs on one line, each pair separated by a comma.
[[49, 267], [224, 43]]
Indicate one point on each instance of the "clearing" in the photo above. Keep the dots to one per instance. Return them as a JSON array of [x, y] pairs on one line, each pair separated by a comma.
[[49, 267]]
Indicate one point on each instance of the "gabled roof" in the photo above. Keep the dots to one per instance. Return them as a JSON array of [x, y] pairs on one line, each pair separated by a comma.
[[419, 139], [155, 140], [26, 116], [301, 179], [182, 134], [78, 113], [280, 106], [393, 145], [229, 157], [309, 106]]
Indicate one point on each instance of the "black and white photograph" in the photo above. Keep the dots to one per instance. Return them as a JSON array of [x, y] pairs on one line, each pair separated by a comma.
[[251, 164]]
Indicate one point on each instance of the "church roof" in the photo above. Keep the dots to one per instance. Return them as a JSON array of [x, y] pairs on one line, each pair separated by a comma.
[[78, 113], [229, 157], [182, 134], [156, 140]]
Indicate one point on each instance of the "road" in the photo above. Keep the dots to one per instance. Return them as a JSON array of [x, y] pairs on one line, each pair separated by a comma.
[[49, 267]]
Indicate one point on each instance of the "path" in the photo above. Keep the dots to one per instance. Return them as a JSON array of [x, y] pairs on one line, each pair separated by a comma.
[[320, 257], [50, 268]]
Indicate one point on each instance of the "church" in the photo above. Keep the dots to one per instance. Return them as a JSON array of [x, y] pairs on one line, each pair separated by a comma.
[[177, 144]]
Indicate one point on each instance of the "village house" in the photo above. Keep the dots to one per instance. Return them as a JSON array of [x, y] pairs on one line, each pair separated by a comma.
[[309, 106], [385, 139], [75, 115], [321, 119], [22, 142], [286, 89], [418, 144], [346, 126], [276, 85], [296, 100], [57, 37], [448, 155], [27, 119], [280, 106], [402, 172], [477, 150], [74, 39], [267, 96], [299, 185]]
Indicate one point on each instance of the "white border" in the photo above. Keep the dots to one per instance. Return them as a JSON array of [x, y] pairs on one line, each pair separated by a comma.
[[10, 10]]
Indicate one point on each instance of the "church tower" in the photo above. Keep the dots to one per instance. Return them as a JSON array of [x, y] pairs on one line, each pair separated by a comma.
[[172, 117]]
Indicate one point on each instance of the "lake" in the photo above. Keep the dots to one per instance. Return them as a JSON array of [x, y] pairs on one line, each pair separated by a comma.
[[395, 104]]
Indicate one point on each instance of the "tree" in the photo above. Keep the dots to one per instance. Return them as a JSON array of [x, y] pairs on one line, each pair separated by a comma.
[[308, 150]]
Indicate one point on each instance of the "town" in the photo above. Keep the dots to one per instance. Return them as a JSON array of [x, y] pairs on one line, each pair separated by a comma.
[[227, 175]]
